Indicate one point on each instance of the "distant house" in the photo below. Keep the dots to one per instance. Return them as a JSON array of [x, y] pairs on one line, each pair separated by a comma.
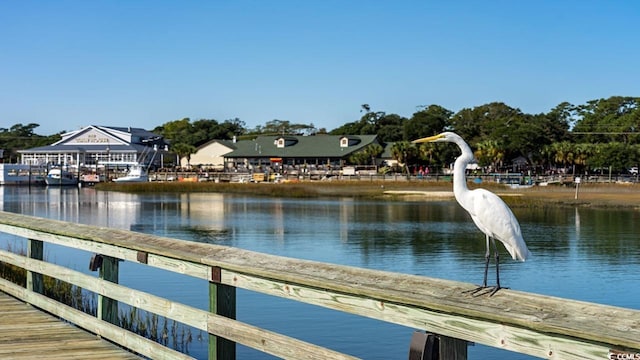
[[519, 163], [92, 145], [210, 155], [289, 150]]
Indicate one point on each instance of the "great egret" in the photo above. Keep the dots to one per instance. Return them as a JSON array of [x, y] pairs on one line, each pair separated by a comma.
[[490, 214]]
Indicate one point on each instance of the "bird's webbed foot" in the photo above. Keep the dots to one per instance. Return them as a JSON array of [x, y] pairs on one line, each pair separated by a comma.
[[475, 291]]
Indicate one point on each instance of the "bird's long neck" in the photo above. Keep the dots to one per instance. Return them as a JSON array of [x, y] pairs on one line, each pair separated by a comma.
[[459, 171]]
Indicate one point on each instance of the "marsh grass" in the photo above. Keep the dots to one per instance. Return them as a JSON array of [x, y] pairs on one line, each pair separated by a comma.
[[13, 273], [159, 329], [602, 195], [306, 189]]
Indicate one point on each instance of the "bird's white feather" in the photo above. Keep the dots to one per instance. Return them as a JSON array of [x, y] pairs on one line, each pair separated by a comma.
[[494, 218]]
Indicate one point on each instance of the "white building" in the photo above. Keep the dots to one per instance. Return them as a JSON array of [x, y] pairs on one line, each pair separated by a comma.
[[94, 145]]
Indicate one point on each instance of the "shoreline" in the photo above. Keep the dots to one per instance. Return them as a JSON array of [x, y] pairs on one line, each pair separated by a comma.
[[589, 195]]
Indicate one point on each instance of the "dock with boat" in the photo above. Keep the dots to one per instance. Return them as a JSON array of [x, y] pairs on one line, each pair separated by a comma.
[[19, 174], [58, 176]]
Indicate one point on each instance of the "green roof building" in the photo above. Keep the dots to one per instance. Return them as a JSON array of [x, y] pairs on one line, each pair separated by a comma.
[[289, 150]]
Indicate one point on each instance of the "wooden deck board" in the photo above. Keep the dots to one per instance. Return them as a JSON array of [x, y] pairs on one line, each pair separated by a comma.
[[28, 333]]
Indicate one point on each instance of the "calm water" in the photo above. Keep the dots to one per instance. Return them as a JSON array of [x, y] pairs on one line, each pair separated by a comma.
[[584, 254]]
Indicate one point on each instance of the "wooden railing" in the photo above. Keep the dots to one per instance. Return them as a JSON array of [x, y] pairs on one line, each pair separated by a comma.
[[541, 326]]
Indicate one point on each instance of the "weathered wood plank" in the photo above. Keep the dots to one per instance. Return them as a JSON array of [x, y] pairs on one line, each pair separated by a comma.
[[37, 334], [270, 342], [510, 319], [497, 335], [169, 263], [106, 330]]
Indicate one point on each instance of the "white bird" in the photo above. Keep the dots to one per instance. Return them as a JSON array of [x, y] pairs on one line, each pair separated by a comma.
[[490, 214]]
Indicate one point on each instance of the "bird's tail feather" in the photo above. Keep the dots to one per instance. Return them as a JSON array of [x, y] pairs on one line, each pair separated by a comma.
[[521, 252]]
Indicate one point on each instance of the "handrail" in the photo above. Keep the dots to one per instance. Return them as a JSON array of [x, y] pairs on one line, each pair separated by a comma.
[[533, 324]]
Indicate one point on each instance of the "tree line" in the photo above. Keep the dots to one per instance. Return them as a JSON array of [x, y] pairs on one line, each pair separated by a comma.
[[602, 133]]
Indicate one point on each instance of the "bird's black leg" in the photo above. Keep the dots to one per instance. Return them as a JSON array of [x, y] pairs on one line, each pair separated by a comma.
[[497, 287], [487, 256], [497, 255]]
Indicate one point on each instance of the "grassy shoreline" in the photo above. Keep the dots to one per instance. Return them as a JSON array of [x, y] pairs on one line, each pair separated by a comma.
[[592, 195]]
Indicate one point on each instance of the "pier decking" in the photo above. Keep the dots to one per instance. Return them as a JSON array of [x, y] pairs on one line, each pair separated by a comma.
[[29, 333]]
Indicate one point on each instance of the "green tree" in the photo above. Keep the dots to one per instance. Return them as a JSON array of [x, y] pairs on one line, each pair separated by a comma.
[[484, 121], [19, 137], [404, 153], [427, 152], [228, 129], [561, 153], [359, 158], [619, 156], [432, 120], [559, 120], [352, 128], [184, 151], [490, 152], [373, 151], [390, 128], [283, 127], [606, 120], [177, 131], [368, 155], [367, 125], [199, 132]]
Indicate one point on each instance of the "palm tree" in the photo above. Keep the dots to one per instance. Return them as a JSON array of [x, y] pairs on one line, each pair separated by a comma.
[[373, 151], [561, 153], [489, 151], [184, 150], [426, 151], [402, 152], [367, 155]]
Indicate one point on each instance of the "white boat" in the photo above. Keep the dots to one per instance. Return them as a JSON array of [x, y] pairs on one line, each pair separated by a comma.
[[60, 177], [136, 173]]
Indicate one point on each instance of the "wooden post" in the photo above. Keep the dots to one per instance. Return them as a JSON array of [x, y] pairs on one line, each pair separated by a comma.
[[35, 250], [423, 346], [426, 346], [108, 308], [452, 348], [222, 301]]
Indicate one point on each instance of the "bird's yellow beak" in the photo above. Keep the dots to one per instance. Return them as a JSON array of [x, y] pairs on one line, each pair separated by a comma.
[[428, 139]]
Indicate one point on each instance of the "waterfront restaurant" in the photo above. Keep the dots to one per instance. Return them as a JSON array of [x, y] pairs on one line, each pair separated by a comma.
[[94, 145], [332, 151]]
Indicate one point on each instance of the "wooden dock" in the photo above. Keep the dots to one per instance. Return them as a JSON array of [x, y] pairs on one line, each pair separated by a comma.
[[29, 333], [538, 325]]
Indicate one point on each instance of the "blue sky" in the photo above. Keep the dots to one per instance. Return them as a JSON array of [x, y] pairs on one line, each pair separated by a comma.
[[68, 64]]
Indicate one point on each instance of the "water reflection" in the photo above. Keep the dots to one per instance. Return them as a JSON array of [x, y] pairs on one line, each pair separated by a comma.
[[385, 235], [585, 254]]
